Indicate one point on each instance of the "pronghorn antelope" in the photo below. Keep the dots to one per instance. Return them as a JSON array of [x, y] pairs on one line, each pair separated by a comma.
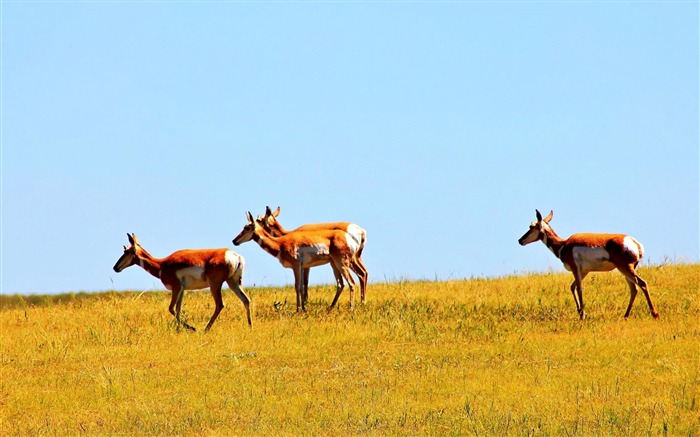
[[191, 269], [585, 253], [273, 227], [302, 250]]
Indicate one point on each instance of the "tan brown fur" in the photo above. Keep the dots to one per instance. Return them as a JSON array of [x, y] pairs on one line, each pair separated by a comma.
[[217, 270], [270, 223], [614, 254], [298, 251]]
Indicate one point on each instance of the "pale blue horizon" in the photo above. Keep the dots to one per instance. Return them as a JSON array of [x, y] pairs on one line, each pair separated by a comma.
[[438, 127]]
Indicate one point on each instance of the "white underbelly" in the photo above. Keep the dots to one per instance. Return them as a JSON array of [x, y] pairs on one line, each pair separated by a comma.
[[192, 278], [314, 255], [592, 259]]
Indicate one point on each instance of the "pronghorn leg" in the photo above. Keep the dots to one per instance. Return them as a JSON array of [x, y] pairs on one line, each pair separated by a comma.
[[351, 284], [296, 287], [345, 272], [339, 285], [633, 295], [173, 301], [218, 302], [573, 293], [359, 268], [236, 284], [299, 288], [579, 277], [305, 296], [643, 285], [176, 306], [633, 280]]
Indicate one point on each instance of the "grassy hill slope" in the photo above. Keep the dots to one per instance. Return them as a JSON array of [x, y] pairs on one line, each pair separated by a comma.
[[479, 356]]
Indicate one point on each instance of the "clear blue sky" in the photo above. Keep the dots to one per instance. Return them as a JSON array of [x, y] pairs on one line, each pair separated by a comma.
[[439, 127]]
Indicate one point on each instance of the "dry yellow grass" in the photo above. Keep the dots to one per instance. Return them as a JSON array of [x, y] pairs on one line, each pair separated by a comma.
[[482, 356]]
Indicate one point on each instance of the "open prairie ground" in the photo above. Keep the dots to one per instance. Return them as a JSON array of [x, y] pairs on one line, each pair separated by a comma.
[[505, 356]]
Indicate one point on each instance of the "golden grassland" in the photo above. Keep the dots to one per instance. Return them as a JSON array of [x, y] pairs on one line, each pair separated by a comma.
[[504, 356]]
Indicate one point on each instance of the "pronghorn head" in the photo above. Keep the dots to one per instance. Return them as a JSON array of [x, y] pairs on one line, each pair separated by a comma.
[[269, 222], [248, 231], [537, 229], [131, 254]]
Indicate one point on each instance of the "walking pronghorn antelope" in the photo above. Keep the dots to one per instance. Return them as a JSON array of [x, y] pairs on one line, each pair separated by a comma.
[[273, 227], [191, 269], [300, 251], [585, 253]]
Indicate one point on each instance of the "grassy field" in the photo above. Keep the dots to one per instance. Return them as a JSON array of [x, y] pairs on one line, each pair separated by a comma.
[[501, 356]]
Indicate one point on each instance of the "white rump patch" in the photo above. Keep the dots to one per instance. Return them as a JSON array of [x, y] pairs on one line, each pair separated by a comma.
[[592, 259], [353, 241], [192, 278], [633, 247], [234, 261], [356, 232]]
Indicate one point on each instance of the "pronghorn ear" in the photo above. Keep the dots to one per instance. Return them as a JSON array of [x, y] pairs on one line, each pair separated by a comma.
[[549, 217], [538, 215], [134, 241], [250, 217], [277, 212]]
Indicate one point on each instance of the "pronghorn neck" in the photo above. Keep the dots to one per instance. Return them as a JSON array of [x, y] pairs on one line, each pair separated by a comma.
[[268, 243], [149, 263], [552, 240], [278, 229]]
